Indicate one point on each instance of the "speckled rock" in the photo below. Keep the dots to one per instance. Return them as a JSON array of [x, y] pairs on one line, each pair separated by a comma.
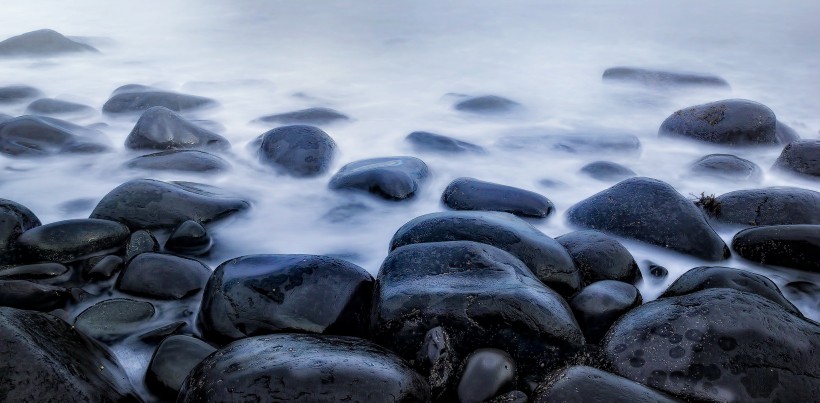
[[40, 136], [180, 160], [297, 150], [731, 122], [801, 157], [768, 206], [599, 256], [727, 167], [71, 240], [795, 246], [598, 305], [161, 276]]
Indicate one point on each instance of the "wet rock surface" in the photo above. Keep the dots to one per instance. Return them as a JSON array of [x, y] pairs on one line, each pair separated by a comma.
[[70, 240], [437, 143], [801, 157], [44, 273], [487, 105], [598, 305], [473, 194], [393, 178], [728, 167], [574, 143], [112, 320], [607, 171], [587, 384], [171, 363], [23, 294], [136, 98], [160, 128], [180, 160], [14, 220], [794, 246], [767, 206], [43, 42], [140, 241], [487, 373], [50, 106], [161, 276], [599, 256], [731, 122], [17, 93], [310, 116], [40, 136], [190, 238], [297, 150], [660, 78]]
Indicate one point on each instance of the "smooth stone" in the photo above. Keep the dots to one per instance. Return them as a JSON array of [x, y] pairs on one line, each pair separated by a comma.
[[135, 98], [599, 256], [515, 396], [156, 335], [160, 128], [47, 360], [149, 204], [14, 220], [50, 106], [785, 134], [718, 345], [801, 157], [727, 167], [473, 194], [574, 143], [46, 272], [71, 240], [487, 373], [658, 272], [180, 160], [17, 93], [140, 241], [43, 42], [171, 363], [483, 297], [586, 384], [661, 78], [262, 294], [653, 212], [706, 277], [23, 294], [39, 136], [768, 206], [105, 268], [297, 150], [795, 246], [544, 256], [731, 122], [112, 320], [190, 238], [310, 116], [159, 276], [487, 105], [607, 171], [598, 305], [393, 178], [438, 359], [437, 143], [311, 368]]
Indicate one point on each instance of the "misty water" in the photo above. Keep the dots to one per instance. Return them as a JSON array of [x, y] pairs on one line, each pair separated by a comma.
[[398, 67]]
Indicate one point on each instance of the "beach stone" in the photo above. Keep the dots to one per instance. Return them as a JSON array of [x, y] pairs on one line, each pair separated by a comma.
[[598, 305], [39, 136], [262, 294], [190, 238], [801, 157], [586, 384], [313, 368], [727, 167], [393, 178], [43, 273], [297, 150], [309, 116], [768, 206], [160, 128], [661, 78], [180, 160], [785, 134], [599, 256], [23, 294], [487, 373], [607, 171], [515, 396], [574, 143], [150, 204], [651, 211], [140, 241], [159, 276], [50, 106], [171, 363], [796, 246], [46, 359], [42, 43], [105, 268], [17, 93], [437, 143], [487, 105], [658, 272], [544, 256], [112, 320], [482, 295], [72, 240], [731, 122], [706, 277], [136, 98], [717, 345], [438, 359], [473, 194], [14, 220]]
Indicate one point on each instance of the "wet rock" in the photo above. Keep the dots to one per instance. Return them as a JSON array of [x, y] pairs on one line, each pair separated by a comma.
[[487, 373], [586, 384], [574, 143], [180, 160], [313, 368], [105, 268], [44, 273], [706, 277], [135, 98], [436, 143], [297, 150], [346, 212], [785, 134], [728, 167], [607, 171], [39, 136], [650, 211], [515, 396], [768, 206], [175, 357], [599, 256], [29, 295], [14, 220], [718, 345], [140, 241], [483, 295], [801, 157], [71, 240], [261, 294], [437, 358], [487, 105], [159, 276], [114, 319], [731, 122], [544, 256], [598, 305], [160, 128], [473, 194], [660, 78], [156, 335], [795, 246], [394, 178], [658, 272], [190, 238], [310, 116], [149, 204], [17, 93], [50, 106], [43, 42], [45, 359]]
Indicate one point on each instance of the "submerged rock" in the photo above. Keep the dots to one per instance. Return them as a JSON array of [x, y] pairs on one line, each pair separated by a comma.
[[180, 160], [587, 384], [575, 143], [795, 246], [23, 294], [297, 150], [599, 256], [727, 167], [17, 93], [473, 194], [394, 178], [732, 122], [598, 305], [171, 363], [660, 78], [112, 320], [431, 142], [768, 206], [135, 98], [310, 116], [37, 136], [785, 134], [160, 128], [801, 157], [43, 42], [50, 106], [190, 238], [71, 240], [160, 276], [487, 105], [607, 171]]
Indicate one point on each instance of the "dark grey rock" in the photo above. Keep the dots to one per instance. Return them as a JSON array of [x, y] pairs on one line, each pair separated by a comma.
[[160, 128], [803, 292], [768, 206], [394, 178], [310, 116], [140, 241], [190, 238], [171, 363], [135, 98], [436, 143], [71, 240], [488, 372], [785, 134], [180, 160], [112, 320], [14, 220], [661, 78], [487, 105], [159, 276], [105, 268], [44, 273], [42, 43], [473, 194], [297, 150], [796, 246], [731, 122], [586, 384], [39, 136], [574, 143], [17, 93], [598, 305], [50, 106], [607, 171], [438, 358], [599, 256], [728, 167], [801, 157], [23, 294], [658, 272]]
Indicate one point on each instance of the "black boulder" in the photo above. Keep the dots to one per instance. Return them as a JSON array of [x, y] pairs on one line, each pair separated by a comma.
[[14, 220], [297, 150], [801, 157], [393, 178], [599, 256], [598, 305], [796, 246], [473, 194], [71, 240], [160, 276], [190, 238], [768, 206], [728, 167], [731, 122], [39, 136], [160, 128]]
